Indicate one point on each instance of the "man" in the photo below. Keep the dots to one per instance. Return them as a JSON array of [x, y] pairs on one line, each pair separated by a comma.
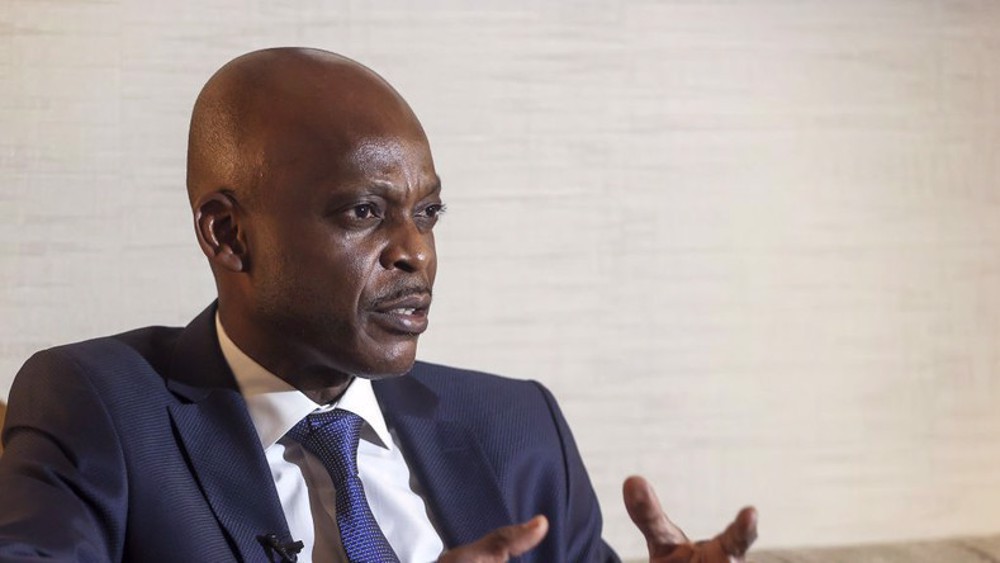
[[276, 423]]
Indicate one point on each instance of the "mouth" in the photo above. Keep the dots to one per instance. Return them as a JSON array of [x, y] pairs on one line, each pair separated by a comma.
[[406, 315]]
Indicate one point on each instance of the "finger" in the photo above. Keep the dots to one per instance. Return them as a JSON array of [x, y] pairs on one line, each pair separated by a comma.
[[740, 535], [519, 538], [645, 511], [500, 544]]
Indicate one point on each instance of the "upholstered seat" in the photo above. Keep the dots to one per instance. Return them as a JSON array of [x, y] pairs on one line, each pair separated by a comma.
[[951, 550], [3, 411]]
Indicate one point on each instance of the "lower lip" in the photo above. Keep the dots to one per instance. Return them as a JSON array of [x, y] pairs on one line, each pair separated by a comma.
[[400, 323]]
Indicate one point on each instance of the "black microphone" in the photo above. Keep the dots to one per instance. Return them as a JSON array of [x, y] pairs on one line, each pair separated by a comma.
[[289, 551]]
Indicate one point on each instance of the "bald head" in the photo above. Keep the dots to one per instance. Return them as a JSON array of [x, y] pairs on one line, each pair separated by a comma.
[[258, 106]]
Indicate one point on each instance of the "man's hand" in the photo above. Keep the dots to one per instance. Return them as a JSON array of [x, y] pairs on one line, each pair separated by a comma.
[[501, 544], [668, 544]]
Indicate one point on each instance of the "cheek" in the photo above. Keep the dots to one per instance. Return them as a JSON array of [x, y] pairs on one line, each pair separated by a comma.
[[432, 264], [360, 268], [348, 279]]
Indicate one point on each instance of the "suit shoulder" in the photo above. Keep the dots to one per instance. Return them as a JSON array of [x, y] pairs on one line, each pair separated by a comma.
[[487, 398], [105, 359], [445, 379]]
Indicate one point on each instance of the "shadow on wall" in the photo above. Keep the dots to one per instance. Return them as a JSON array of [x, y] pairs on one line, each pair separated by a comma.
[[3, 411]]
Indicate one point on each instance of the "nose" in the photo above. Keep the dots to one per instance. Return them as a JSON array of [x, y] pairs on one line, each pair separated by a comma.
[[408, 249]]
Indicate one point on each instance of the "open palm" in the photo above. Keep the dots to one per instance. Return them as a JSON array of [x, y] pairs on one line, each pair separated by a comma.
[[668, 544]]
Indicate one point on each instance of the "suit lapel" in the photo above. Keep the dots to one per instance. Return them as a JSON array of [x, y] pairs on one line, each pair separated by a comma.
[[221, 444], [447, 460]]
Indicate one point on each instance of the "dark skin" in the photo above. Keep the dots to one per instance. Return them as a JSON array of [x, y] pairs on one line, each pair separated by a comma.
[[315, 198]]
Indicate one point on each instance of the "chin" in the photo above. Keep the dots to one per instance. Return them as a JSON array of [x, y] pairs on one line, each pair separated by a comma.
[[385, 373], [381, 376], [392, 363]]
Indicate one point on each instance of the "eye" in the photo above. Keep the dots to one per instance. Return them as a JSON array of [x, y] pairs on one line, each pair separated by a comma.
[[365, 211], [434, 210]]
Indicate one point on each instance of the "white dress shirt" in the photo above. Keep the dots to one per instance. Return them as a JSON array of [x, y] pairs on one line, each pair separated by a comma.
[[304, 486]]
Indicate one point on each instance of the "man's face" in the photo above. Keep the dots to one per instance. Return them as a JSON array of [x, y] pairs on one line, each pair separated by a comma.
[[341, 253]]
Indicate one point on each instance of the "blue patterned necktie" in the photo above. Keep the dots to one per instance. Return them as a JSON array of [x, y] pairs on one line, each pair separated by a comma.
[[332, 437]]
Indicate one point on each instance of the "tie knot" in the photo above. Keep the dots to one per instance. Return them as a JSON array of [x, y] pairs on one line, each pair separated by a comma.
[[331, 436]]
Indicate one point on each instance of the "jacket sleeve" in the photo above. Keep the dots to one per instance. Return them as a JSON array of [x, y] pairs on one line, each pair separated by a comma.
[[579, 530], [63, 488]]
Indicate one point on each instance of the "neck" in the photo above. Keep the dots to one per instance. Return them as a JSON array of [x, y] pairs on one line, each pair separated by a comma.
[[321, 384]]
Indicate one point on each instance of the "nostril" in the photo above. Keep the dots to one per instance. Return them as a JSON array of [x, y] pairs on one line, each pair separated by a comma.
[[405, 266]]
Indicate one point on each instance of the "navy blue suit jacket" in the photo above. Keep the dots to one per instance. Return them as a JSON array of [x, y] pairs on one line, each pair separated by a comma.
[[139, 447]]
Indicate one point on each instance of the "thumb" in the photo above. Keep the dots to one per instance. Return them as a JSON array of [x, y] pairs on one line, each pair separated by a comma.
[[740, 535], [647, 514], [501, 544]]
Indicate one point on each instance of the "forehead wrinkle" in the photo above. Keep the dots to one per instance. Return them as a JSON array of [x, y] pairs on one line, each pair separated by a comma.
[[391, 190], [393, 158], [382, 152]]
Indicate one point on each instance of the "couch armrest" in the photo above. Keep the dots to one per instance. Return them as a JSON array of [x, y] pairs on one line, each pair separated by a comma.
[[952, 550]]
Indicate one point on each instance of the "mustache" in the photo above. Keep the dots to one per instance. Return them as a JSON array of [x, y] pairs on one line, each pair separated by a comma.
[[402, 291]]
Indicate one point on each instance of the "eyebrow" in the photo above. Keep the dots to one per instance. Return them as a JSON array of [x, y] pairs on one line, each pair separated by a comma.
[[382, 188], [436, 184]]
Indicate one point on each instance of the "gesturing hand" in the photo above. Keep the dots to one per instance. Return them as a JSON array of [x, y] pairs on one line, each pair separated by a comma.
[[668, 544], [501, 544]]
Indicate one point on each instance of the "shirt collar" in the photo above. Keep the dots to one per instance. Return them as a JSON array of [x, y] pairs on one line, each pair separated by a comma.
[[275, 406]]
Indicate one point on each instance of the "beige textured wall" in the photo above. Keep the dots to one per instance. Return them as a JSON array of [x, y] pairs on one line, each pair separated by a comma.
[[752, 246]]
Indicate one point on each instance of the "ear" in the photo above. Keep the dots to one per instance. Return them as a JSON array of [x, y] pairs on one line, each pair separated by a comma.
[[216, 222]]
